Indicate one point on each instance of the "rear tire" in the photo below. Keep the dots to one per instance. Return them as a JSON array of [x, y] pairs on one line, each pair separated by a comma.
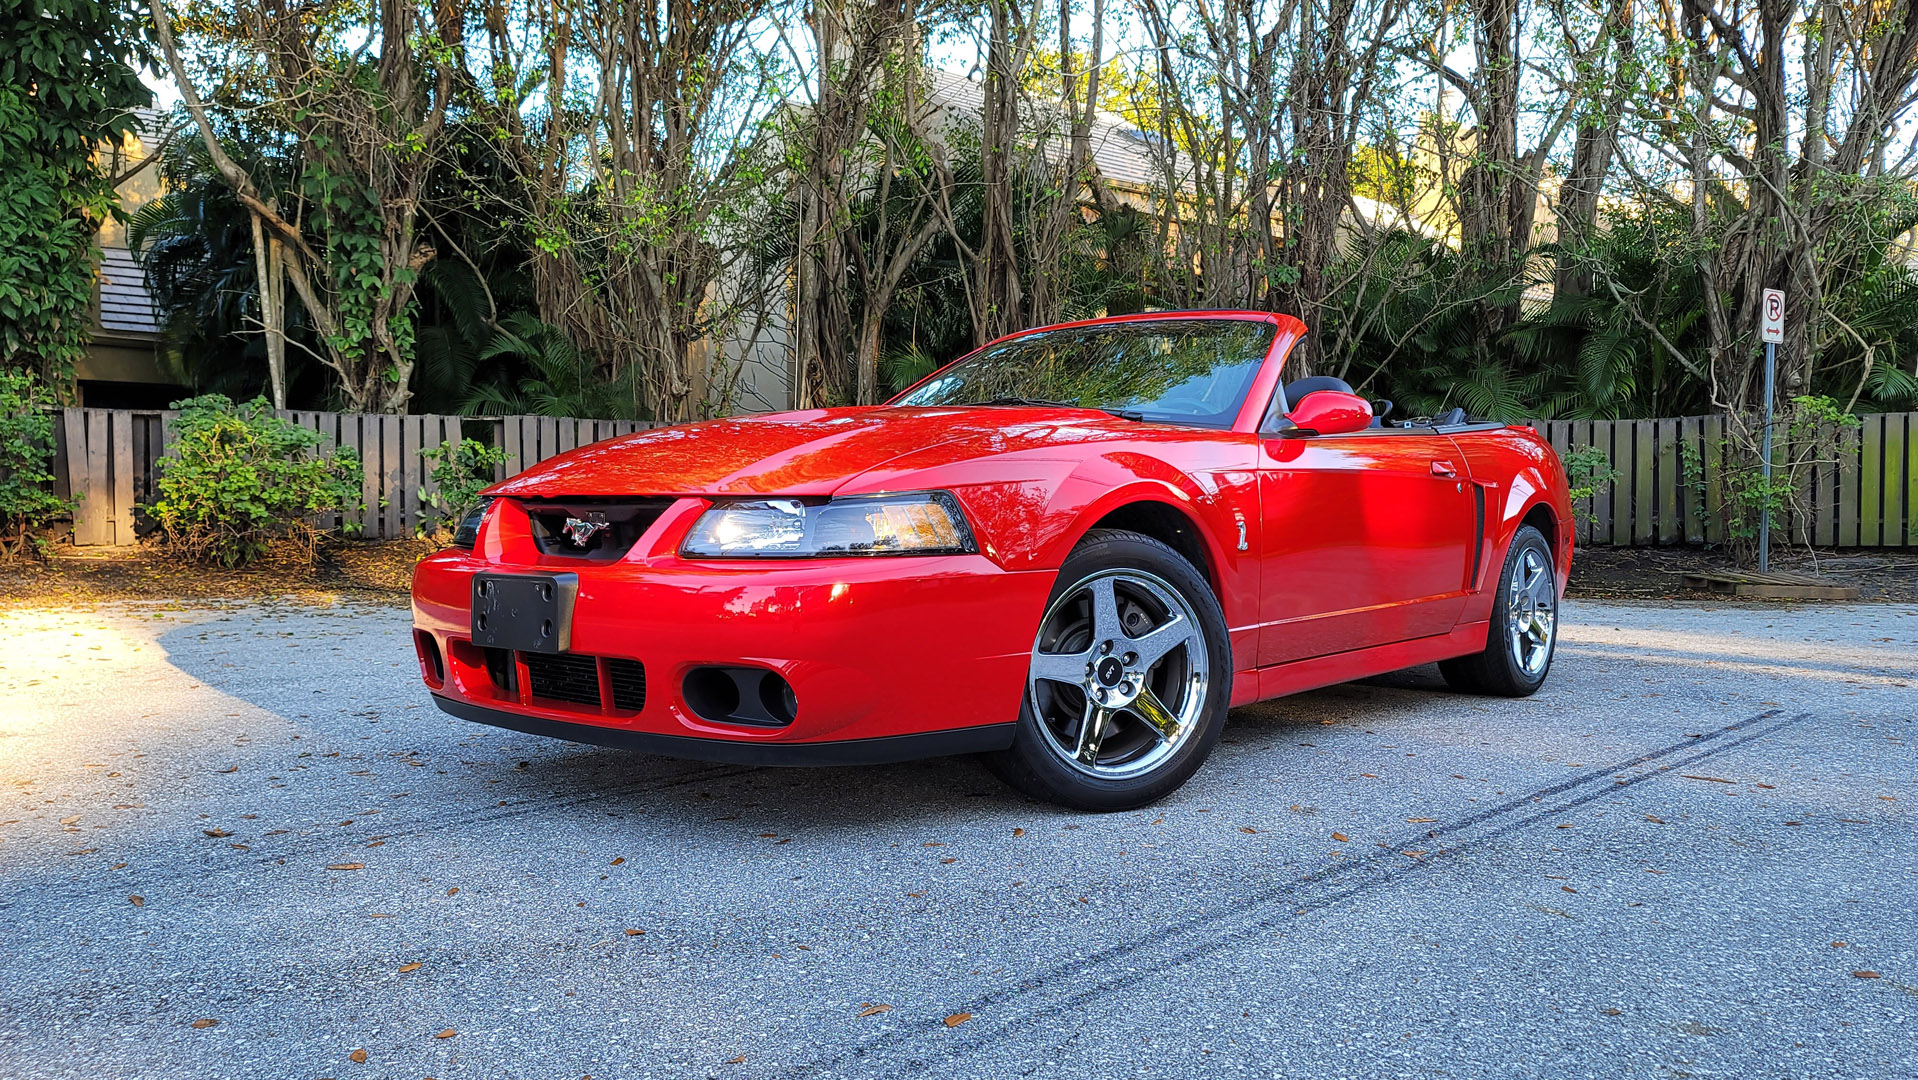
[[1130, 679], [1523, 634]]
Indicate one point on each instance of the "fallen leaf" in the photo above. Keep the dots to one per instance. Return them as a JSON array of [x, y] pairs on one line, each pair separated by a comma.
[[447, 1034], [1567, 825], [1567, 888], [1369, 776], [771, 835], [216, 833], [208, 1021], [117, 866], [617, 861], [1341, 838], [1611, 1012], [634, 933], [137, 901], [452, 890], [347, 866], [917, 895], [231, 768], [740, 1060], [875, 1010], [1249, 829], [357, 1057], [956, 1019], [1419, 820], [1864, 975], [1654, 820], [71, 820], [934, 843], [944, 862], [1412, 854], [1767, 787], [1838, 944], [1018, 832], [1708, 779], [414, 966]]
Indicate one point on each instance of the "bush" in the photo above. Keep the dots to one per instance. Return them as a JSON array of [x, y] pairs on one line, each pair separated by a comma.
[[237, 478], [461, 470], [27, 502]]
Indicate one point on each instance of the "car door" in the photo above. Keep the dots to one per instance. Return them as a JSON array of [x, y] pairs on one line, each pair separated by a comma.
[[1366, 540]]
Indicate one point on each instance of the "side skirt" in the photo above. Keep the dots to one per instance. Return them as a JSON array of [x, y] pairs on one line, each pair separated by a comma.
[[881, 751], [1301, 675]]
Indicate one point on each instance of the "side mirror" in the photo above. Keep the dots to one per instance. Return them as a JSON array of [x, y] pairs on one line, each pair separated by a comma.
[[1331, 412]]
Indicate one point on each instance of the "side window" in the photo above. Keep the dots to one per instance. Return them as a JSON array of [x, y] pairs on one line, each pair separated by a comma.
[[1275, 412]]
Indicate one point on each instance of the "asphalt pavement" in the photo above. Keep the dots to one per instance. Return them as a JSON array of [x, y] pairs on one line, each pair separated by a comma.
[[242, 843]]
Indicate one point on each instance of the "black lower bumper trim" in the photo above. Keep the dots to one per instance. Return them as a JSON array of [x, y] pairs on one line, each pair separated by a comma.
[[879, 751]]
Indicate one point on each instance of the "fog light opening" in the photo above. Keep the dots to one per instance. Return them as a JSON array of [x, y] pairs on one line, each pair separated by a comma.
[[776, 695], [711, 693]]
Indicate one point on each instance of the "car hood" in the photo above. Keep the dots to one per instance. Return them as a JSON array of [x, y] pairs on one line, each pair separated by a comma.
[[815, 452]]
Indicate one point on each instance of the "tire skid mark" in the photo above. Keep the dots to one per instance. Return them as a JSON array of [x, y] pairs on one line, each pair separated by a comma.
[[893, 1055], [321, 844]]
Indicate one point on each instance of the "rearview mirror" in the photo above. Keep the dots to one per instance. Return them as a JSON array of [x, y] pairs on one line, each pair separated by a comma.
[[1331, 412]]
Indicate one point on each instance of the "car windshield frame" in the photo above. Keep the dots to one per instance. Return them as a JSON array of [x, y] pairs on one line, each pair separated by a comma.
[[1213, 398]]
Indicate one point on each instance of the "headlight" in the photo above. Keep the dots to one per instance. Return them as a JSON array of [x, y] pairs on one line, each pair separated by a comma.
[[922, 523], [467, 532]]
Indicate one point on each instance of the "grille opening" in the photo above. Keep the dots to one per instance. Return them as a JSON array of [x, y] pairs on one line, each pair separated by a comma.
[[740, 695], [628, 681], [432, 666], [504, 673], [606, 528], [563, 677]]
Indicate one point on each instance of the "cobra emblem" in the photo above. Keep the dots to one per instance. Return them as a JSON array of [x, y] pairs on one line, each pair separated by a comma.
[[580, 531]]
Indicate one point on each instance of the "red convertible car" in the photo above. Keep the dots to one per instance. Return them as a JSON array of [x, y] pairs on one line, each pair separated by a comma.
[[1071, 551]]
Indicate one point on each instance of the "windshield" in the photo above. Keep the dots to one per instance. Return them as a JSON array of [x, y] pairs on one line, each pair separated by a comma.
[[1173, 371]]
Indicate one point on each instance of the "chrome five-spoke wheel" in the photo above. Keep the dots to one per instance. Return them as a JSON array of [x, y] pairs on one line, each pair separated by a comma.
[[1119, 674], [1531, 610], [1523, 629]]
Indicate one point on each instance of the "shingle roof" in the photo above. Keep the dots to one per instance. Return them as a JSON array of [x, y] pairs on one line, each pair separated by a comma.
[[126, 307]]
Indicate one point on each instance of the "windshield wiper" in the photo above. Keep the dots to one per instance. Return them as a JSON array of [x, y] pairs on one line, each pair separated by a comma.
[[1123, 414], [1045, 402]]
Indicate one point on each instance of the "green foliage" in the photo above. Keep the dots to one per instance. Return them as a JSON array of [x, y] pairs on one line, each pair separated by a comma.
[[1812, 431], [27, 502], [1588, 470], [237, 478], [556, 380], [460, 470], [65, 85]]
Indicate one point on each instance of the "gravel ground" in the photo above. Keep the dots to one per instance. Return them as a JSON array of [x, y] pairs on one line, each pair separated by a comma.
[[243, 843]]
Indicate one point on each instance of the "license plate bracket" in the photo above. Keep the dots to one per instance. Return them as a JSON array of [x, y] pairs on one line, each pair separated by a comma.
[[527, 612]]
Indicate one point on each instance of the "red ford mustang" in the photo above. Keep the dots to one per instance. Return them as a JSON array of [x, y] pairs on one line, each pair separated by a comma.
[[1070, 551]]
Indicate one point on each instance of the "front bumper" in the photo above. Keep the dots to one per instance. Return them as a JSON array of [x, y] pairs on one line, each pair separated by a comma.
[[888, 658]]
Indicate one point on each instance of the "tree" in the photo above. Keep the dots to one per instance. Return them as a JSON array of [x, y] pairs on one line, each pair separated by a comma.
[[370, 120]]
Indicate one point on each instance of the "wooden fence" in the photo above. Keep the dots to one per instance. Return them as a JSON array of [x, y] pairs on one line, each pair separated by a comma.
[[107, 456], [1868, 499]]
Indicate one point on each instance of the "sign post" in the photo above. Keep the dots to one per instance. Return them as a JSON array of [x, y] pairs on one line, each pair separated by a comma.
[[1773, 332]]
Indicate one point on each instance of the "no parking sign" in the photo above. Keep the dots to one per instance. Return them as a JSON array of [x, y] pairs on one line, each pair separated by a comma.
[[1773, 331]]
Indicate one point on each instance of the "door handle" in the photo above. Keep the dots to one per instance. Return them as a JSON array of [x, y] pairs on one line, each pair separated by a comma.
[[1444, 469]]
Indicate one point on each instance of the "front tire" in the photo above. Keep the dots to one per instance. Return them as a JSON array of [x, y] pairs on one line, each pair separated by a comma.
[[1523, 634], [1130, 680]]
